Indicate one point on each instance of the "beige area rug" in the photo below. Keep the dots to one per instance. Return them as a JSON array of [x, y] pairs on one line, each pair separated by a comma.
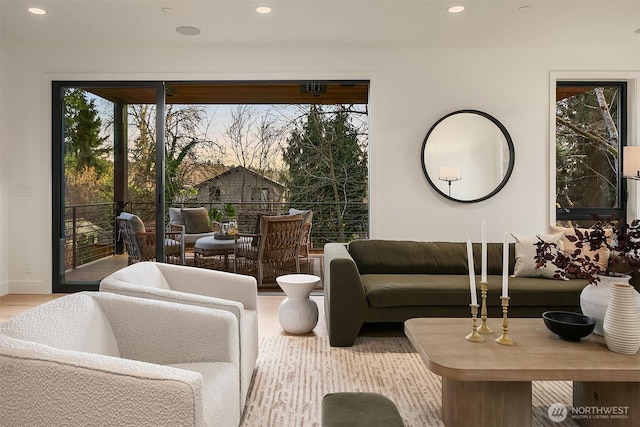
[[294, 373]]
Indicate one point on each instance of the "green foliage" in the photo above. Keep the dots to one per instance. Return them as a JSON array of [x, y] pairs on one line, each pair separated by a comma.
[[214, 215], [88, 173], [587, 145], [229, 211], [328, 164], [184, 134], [84, 147]]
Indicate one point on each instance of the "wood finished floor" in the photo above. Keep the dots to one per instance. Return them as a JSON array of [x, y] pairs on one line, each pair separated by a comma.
[[268, 325]]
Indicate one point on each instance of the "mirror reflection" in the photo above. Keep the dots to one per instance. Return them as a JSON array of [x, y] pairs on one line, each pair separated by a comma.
[[467, 156]]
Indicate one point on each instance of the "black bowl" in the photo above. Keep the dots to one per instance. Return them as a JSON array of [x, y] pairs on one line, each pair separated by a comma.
[[569, 326]]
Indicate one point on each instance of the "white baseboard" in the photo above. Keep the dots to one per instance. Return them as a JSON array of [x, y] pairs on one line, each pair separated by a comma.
[[4, 288], [29, 287]]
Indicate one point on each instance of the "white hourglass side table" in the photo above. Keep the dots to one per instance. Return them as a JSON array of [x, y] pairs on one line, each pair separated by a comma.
[[298, 314]]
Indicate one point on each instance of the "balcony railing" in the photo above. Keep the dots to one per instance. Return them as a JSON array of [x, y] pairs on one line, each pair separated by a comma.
[[91, 234]]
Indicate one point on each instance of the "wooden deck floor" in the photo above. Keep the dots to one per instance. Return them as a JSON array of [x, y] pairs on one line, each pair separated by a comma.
[[97, 270]]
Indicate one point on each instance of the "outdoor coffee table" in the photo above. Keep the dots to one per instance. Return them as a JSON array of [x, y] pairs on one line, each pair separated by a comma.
[[208, 249], [488, 384]]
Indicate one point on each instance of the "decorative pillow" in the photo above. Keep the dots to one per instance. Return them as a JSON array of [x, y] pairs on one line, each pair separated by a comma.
[[196, 220], [136, 223], [306, 215], [175, 216], [570, 247], [526, 251]]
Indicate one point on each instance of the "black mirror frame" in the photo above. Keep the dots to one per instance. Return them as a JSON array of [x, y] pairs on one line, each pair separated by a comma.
[[509, 144]]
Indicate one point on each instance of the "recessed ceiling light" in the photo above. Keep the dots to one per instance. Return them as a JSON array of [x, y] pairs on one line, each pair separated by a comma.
[[263, 9], [188, 31], [524, 8], [167, 10], [455, 9], [37, 11]]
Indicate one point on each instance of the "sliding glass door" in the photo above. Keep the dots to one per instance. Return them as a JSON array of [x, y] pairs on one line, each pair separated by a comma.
[[91, 137]]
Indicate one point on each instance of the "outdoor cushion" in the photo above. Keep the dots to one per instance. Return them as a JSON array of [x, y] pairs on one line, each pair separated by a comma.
[[136, 222], [196, 220]]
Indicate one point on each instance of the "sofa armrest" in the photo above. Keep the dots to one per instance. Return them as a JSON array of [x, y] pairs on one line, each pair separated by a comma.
[[345, 300], [42, 385], [170, 333], [212, 283]]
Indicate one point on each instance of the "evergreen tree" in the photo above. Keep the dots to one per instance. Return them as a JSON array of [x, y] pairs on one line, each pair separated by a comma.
[[88, 173], [84, 147], [328, 165]]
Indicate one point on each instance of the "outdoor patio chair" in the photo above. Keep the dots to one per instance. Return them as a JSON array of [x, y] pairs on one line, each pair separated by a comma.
[[192, 222], [274, 250], [141, 241], [305, 236]]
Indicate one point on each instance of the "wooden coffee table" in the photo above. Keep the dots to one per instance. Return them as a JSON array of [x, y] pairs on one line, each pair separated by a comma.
[[488, 384]]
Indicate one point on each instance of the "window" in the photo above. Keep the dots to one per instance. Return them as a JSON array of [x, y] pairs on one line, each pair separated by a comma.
[[215, 194], [260, 194], [590, 134]]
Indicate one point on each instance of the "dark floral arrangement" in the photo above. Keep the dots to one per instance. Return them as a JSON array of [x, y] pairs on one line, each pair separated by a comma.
[[620, 238]]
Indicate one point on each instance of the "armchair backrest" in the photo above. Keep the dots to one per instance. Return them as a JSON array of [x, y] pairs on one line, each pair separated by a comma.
[[280, 237], [128, 228], [141, 273], [141, 243], [73, 322]]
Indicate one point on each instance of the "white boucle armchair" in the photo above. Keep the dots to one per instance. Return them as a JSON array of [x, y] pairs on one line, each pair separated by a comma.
[[98, 359], [219, 290]]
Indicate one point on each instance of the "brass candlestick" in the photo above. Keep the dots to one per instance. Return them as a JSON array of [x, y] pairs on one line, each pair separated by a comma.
[[504, 338], [484, 329], [474, 336]]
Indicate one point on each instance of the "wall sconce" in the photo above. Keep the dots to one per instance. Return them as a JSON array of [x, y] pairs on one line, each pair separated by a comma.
[[631, 162], [450, 174]]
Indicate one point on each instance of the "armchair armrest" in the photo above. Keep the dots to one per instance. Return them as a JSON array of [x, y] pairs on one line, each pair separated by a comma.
[[169, 333], [212, 283], [74, 388]]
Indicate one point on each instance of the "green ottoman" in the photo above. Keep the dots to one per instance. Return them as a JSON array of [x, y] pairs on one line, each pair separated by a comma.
[[359, 409]]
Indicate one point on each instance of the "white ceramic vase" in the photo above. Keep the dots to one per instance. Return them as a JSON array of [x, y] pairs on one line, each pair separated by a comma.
[[594, 299], [622, 320]]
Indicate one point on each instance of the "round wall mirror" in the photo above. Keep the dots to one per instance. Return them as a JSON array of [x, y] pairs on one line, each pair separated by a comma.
[[467, 156]]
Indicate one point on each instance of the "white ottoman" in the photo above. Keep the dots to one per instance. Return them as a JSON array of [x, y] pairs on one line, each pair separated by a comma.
[[298, 314]]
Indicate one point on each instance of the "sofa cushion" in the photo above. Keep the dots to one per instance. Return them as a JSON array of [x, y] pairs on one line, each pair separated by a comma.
[[196, 220], [406, 257], [397, 290]]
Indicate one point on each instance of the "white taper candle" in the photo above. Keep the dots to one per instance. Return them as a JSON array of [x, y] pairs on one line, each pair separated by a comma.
[[472, 274], [483, 271], [505, 266]]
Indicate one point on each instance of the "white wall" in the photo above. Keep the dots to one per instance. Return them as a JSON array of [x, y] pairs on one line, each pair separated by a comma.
[[410, 90], [4, 181]]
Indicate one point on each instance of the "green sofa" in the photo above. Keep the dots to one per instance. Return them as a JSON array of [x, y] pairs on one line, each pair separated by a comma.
[[369, 281]]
